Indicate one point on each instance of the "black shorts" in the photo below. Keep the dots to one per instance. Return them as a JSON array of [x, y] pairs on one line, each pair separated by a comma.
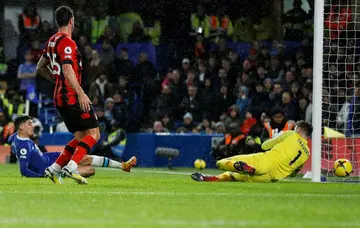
[[77, 120]]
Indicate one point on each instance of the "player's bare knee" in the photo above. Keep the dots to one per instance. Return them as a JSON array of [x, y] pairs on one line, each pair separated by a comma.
[[88, 172], [91, 171]]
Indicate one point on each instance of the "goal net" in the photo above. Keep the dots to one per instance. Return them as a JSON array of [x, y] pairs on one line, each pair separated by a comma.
[[340, 87]]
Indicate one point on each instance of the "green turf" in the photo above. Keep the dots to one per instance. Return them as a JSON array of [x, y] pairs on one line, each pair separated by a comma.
[[155, 198]]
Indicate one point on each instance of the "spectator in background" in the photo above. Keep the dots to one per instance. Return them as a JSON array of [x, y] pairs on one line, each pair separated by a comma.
[[123, 66], [167, 122], [191, 78], [289, 79], [93, 69], [99, 22], [144, 69], [209, 100], [290, 109], [188, 122], [164, 103], [259, 101], [268, 85], [308, 113], [27, 72], [138, 35], [219, 128], [107, 55], [203, 72], [101, 88], [242, 100], [303, 104], [29, 24], [109, 35], [158, 127], [294, 22], [192, 103], [248, 123], [185, 67], [223, 101], [234, 117]]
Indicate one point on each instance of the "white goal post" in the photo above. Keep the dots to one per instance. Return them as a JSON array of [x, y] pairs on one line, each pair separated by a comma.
[[317, 90], [336, 88]]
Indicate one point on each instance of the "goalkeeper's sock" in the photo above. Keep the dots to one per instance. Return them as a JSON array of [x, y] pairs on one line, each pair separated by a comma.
[[211, 178], [82, 149], [65, 156], [233, 176], [105, 162]]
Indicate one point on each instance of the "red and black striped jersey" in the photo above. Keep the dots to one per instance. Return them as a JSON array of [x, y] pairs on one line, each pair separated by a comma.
[[59, 50]]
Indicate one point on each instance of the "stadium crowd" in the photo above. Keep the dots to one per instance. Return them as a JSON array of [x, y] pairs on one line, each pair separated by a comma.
[[209, 89]]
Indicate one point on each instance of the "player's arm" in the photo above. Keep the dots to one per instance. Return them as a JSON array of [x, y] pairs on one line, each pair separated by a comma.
[[43, 70], [270, 143], [67, 52]]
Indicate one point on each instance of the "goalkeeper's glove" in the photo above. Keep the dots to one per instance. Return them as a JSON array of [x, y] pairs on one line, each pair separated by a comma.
[[275, 133]]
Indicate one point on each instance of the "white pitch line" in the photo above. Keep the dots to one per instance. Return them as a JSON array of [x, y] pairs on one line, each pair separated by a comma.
[[178, 222], [190, 194]]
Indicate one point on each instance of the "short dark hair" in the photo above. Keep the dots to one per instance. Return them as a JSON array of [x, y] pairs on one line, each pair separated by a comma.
[[63, 15], [305, 126], [20, 120]]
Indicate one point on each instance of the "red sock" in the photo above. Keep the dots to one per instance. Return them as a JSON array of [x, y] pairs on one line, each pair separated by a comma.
[[83, 148], [65, 156], [210, 178]]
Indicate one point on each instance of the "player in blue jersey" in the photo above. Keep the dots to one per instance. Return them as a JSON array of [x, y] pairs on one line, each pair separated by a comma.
[[33, 162]]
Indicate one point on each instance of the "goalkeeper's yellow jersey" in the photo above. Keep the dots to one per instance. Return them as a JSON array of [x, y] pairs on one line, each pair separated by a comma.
[[286, 153]]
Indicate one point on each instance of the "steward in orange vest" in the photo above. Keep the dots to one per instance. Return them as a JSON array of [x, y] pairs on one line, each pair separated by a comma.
[[29, 23], [231, 145], [278, 121]]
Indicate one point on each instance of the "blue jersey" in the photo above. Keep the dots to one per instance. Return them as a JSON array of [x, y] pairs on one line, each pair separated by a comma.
[[31, 160]]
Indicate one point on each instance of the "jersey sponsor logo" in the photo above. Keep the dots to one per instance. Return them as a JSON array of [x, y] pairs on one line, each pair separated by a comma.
[[68, 50], [51, 44], [23, 153], [67, 56]]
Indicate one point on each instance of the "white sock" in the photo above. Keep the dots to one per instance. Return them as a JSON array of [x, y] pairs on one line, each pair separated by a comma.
[[56, 167], [72, 165], [105, 162]]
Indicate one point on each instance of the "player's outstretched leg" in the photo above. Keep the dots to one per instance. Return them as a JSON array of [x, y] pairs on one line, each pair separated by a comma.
[[99, 161], [226, 176], [244, 168], [53, 175]]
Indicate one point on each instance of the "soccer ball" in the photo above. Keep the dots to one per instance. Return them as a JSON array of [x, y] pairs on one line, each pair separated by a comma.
[[199, 164], [342, 167]]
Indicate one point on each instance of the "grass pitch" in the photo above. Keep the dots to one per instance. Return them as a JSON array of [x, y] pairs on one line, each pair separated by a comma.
[[163, 198]]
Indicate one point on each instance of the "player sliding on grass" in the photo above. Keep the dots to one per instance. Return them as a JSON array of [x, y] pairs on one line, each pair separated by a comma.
[[33, 162], [285, 155]]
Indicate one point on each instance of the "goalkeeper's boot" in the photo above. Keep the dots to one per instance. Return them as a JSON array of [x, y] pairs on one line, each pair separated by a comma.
[[53, 175], [198, 176], [74, 174], [126, 166], [244, 168]]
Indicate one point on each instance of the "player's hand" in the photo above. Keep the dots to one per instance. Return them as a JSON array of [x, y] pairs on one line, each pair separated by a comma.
[[84, 102], [275, 133]]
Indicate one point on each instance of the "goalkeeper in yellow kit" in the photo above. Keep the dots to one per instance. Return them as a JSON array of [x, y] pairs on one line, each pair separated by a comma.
[[285, 155]]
